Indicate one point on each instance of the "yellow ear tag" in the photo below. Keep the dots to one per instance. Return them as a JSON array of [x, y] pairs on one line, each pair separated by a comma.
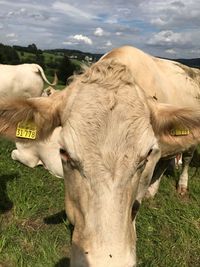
[[26, 130], [180, 132]]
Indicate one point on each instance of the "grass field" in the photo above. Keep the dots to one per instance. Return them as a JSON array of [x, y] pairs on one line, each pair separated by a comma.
[[35, 233]]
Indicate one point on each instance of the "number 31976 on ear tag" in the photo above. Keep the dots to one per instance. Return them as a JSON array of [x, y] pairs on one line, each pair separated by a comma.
[[26, 130]]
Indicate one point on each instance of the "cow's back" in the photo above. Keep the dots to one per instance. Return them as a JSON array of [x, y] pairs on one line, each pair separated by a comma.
[[165, 80], [20, 80], [182, 81]]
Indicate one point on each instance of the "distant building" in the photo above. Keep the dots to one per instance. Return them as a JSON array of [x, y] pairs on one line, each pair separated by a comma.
[[73, 57], [88, 59]]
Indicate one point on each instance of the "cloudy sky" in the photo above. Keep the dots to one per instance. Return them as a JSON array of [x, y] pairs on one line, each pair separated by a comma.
[[169, 28]]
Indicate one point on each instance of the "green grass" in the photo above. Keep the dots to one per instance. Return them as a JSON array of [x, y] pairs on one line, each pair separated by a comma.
[[51, 57], [34, 232], [48, 57], [29, 233], [24, 55], [168, 227]]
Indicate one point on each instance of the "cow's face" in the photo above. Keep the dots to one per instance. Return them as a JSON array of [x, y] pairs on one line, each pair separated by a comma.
[[107, 141]]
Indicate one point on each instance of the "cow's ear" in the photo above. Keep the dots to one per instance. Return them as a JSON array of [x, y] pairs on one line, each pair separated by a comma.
[[41, 114], [177, 128]]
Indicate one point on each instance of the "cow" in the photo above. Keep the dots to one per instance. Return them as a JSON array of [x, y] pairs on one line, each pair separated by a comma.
[[25, 80], [119, 119], [45, 153], [184, 177]]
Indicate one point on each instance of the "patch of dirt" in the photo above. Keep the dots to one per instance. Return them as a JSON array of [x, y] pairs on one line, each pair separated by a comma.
[[197, 223], [185, 197], [3, 264], [32, 224], [27, 246], [65, 250], [6, 219]]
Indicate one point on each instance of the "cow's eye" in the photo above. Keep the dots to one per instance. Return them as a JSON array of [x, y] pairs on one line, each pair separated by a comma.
[[66, 158], [64, 155], [143, 162]]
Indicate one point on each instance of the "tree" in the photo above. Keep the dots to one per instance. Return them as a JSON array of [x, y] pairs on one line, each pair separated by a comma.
[[39, 59], [8, 55], [32, 48], [66, 69]]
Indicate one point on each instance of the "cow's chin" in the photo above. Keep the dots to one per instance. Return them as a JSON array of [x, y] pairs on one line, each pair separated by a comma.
[[110, 255]]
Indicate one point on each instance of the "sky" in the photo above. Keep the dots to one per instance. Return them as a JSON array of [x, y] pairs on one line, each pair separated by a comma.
[[169, 28]]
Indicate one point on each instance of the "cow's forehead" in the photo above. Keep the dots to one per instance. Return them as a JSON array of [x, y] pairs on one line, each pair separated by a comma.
[[104, 126]]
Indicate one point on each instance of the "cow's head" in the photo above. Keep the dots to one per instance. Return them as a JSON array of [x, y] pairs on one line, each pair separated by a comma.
[[112, 137]]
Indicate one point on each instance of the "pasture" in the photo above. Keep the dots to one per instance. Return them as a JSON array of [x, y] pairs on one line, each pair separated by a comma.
[[34, 231]]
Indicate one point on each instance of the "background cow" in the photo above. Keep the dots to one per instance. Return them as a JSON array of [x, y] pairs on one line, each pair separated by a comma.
[[119, 118], [45, 153], [25, 80]]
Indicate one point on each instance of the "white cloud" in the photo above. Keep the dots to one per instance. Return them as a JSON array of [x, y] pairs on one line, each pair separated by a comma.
[[69, 43], [169, 38], [72, 11], [171, 14], [82, 38], [112, 20], [99, 32], [157, 27], [11, 35], [170, 51], [118, 33], [158, 22], [10, 13], [108, 43]]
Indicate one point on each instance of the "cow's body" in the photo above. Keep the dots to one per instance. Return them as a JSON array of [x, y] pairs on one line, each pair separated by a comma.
[[46, 153], [168, 82], [25, 80], [115, 128]]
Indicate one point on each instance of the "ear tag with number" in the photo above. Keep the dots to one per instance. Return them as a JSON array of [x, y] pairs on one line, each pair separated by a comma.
[[180, 132], [26, 130]]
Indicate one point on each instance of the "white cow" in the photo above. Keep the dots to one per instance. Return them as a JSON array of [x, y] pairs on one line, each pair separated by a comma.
[[46, 153], [25, 80]]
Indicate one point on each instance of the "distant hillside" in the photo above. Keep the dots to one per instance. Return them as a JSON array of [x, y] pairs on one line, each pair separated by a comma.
[[193, 62], [32, 54], [76, 54]]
